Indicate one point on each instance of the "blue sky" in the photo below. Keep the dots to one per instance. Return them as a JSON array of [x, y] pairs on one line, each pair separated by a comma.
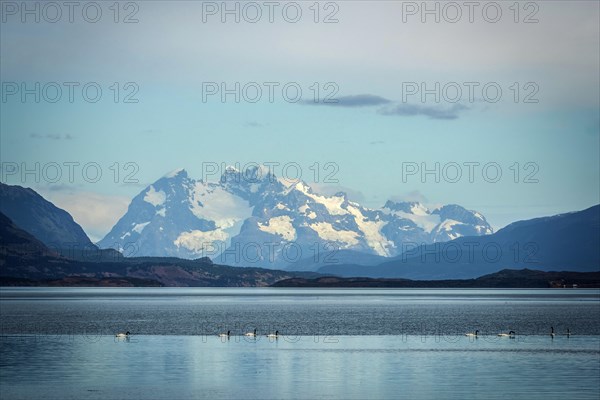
[[370, 56]]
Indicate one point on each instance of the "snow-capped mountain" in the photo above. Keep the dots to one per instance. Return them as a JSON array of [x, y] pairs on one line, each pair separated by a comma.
[[252, 218], [176, 216]]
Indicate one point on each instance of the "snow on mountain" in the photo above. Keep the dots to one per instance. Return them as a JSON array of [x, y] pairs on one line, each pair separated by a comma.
[[178, 216], [253, 218], [456, 222], [156, 198]]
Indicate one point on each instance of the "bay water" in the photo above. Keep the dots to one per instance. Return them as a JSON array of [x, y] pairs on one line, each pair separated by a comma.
[[59, 343]]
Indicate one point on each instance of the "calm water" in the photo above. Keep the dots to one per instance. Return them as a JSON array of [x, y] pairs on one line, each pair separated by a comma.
[[346, 344]]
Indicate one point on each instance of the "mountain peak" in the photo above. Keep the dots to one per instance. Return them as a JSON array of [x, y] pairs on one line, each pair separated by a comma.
[[247, 206], [176, 173], [249, 175], [49, 224], [410, 207]]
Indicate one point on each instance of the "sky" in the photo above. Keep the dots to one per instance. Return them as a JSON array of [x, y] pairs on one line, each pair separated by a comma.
[[495, 108]]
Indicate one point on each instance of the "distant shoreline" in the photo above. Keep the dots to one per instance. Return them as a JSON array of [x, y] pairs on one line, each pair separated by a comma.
[[505, 279], [508, 279]]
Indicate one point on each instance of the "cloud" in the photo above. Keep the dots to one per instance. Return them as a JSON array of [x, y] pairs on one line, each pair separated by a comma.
[[58, 187], [389, 109], [95, 212], [359, 100], [433, 112], [330, 190], [136, 184], [51, 136], [415, 195], [253, 124]]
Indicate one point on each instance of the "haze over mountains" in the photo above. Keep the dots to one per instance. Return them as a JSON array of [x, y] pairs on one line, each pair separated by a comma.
[[53, 226], [564, 242], [253, 218], [25, 261]]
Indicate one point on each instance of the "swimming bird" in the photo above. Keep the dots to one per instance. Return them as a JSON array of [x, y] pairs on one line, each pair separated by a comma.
[[225, 334], [510, 334], [122, 335], [552, 332], [273, 335], [253, 334], [470, 334]]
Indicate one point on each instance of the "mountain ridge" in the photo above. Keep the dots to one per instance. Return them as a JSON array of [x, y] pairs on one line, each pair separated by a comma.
[[253, 218], [26, 261], [568, 242], [505, 278], [51, 225]]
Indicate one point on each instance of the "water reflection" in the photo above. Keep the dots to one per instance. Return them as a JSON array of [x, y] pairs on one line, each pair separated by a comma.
[[350, 367]]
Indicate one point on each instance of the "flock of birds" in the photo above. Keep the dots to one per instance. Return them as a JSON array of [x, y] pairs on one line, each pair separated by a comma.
[[510, 335], [250, 334], [222, 335]]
